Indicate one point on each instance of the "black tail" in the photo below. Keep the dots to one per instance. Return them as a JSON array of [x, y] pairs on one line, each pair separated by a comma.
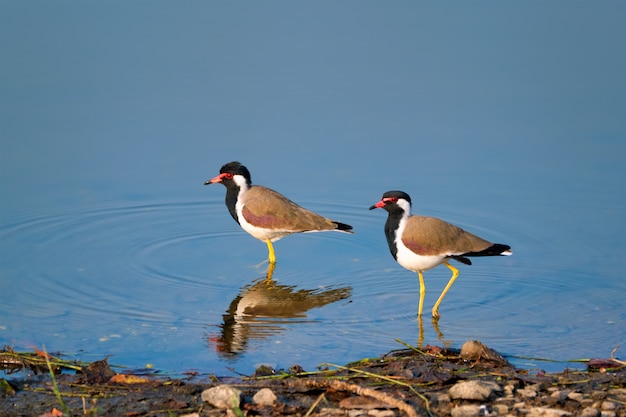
[[493, 250], [343, 227]]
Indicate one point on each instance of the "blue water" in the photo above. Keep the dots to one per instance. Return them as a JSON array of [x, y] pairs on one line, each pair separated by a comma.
[[508, 122]]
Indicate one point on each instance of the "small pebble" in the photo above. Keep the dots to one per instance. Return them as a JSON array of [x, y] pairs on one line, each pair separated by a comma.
[[222, 396], [476, 351], [527, 393], [466, 411], [547, 412], [499, 409], [575, 396], [560, 396], [519, 406], [381, 413], [609, 405], [590, 412], [473, 390], [264, 397]]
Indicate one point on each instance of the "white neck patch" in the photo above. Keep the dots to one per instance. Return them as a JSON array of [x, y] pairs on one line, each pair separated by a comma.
[[406, 212], [405, 206], [240, 180]]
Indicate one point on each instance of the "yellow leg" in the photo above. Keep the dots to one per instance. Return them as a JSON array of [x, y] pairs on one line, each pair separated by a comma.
[[455, 274], [422, 293], [272, 256]]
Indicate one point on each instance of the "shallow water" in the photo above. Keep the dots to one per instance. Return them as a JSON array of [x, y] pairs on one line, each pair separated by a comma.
[[110, 244], [159, 283]]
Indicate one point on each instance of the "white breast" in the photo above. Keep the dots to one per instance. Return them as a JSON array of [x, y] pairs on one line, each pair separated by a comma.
[[409, 259]]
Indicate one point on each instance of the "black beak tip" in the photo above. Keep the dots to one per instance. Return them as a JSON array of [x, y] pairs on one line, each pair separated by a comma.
[[208, 182], [372, 207]]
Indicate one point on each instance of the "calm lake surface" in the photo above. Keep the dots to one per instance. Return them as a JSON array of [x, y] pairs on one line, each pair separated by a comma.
[[509, 122]]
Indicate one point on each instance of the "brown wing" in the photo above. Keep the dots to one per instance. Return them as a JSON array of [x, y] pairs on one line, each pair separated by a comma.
[[265, 207], [432, 236]]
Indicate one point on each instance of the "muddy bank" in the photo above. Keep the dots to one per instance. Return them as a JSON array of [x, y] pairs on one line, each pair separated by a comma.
[[430, 382]]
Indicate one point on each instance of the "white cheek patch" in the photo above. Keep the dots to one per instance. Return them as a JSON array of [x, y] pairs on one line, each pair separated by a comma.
[[405, 206], [241, 182]]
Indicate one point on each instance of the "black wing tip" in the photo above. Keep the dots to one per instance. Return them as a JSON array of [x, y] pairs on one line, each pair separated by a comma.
[[343, 227], [500, 249], [493, 250]]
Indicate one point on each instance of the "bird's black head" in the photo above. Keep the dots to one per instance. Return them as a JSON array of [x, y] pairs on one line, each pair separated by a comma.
[[394, 201], [228, 172]]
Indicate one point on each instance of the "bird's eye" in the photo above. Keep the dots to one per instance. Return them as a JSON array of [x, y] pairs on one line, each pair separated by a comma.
[[227, 175], [390, 200]]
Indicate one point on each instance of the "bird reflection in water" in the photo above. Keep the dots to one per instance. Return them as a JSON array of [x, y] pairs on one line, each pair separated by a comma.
[[264, 308], [420, 326]]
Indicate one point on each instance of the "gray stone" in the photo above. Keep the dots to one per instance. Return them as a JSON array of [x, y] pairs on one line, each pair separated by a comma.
[[473, 390], [222, 396], [264, 397]]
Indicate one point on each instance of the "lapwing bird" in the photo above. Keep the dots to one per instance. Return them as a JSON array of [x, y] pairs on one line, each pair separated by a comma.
[[266, 214], [420, 243]]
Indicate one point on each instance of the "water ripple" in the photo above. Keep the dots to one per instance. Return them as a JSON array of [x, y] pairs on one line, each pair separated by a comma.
[[138, 279]]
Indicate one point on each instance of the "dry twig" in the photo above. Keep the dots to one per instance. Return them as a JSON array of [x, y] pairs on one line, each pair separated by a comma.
[[368, 392]]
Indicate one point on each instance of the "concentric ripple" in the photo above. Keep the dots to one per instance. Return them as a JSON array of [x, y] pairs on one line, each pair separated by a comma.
[[180, 284]]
